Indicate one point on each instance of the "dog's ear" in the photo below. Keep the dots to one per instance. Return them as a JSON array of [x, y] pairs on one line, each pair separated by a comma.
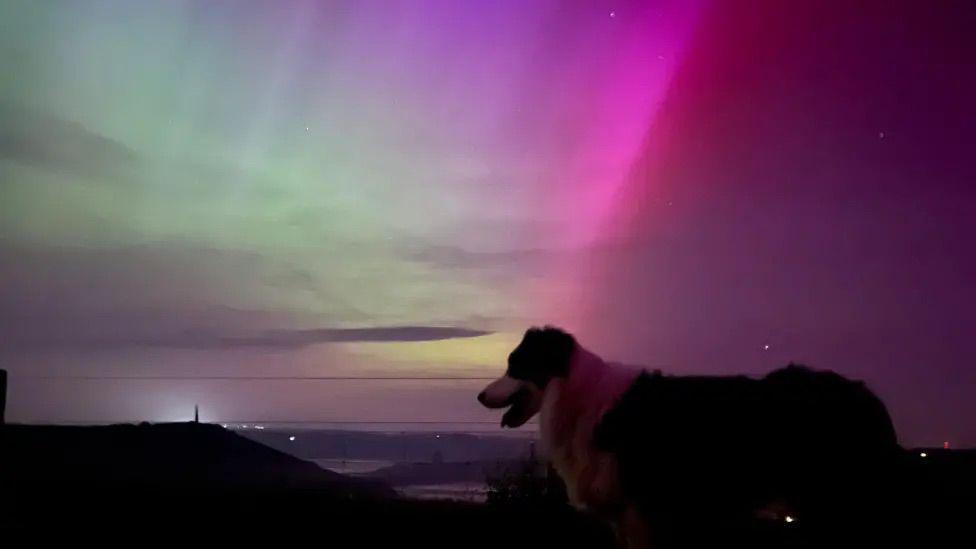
[[557, 346], [544, 353]]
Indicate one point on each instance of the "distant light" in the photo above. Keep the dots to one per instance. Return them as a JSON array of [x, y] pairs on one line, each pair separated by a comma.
[[789, 518], [259, 427], [945, 445], [881, 135], [306, 128], [613, 14], [766, 347], [437, 436], [291, 438], [243, 426], [923, 454], [660, 57]]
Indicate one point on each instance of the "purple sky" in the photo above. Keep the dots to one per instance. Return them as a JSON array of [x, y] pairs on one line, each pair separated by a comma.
[[811, 186]]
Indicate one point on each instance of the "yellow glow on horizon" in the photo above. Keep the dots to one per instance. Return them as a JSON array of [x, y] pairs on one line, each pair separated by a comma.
[[488, 351]]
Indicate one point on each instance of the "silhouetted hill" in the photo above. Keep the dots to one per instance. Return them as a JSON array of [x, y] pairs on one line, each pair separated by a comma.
[[160, 455], [54, 469], [137, 483]]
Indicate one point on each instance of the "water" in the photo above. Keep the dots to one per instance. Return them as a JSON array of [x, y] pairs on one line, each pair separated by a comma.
[[352, 466], [459, 491], [455, 491]]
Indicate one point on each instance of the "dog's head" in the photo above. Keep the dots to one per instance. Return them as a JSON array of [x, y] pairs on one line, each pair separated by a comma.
[[543, 354]]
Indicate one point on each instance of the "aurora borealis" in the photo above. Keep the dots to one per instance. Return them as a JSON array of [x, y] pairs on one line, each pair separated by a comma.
[[378, 188]]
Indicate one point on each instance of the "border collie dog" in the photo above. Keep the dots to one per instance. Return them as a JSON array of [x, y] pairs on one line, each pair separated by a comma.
[[670, 458]]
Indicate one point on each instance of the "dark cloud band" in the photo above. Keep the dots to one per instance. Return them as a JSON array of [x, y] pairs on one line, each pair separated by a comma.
[[272, 339]]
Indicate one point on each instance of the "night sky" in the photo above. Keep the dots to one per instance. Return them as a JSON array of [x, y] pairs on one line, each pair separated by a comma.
[[378, 188]]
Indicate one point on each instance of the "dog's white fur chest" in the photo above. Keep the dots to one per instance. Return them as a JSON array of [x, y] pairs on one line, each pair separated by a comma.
[[572, 407]]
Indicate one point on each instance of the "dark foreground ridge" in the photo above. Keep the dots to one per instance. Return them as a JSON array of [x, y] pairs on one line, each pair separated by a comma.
[[138, 482], [134, 481], [159, 459]]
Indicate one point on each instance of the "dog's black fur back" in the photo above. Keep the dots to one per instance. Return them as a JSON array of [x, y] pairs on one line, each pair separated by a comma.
[[719, 448]]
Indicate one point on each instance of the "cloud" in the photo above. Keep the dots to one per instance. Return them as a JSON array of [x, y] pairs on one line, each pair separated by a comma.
[[520, 262], [302, 338], [49, 142], [205, 339], [175, 297], [460, 258]]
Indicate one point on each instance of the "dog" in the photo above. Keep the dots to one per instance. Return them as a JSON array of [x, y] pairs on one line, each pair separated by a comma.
[[655, 455]]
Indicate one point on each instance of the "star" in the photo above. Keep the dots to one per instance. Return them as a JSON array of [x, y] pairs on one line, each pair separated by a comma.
[[766, 347], [613, 14]]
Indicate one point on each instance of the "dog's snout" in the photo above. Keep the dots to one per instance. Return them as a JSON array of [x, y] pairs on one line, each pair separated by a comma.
[[499, 393]]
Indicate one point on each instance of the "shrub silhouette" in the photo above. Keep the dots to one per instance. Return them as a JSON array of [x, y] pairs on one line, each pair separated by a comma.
[[529, 483]]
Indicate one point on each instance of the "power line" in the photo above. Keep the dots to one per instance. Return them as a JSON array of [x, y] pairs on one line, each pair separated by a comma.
[[282, 423], [362, 422], [258, 378], [286, 378], [305, 421]]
